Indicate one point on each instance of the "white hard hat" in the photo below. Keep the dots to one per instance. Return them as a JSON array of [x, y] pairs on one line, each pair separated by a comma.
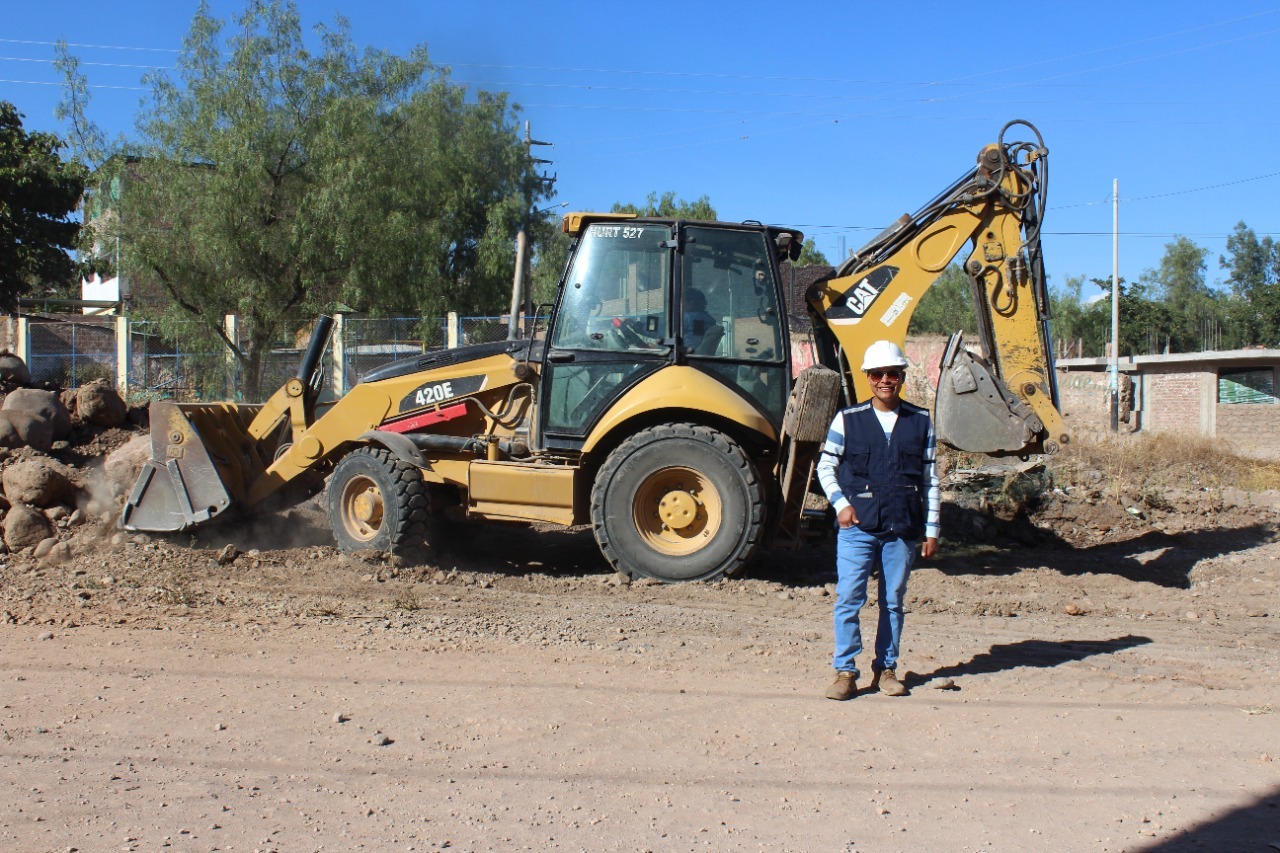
[[883, 354]]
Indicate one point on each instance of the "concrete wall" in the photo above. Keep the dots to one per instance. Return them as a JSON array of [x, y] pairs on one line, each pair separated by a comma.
[[1250, 429], [1178, 396]]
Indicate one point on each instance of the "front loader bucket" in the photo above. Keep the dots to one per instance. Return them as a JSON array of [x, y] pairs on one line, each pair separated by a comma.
[[201, 458], [976, 413]]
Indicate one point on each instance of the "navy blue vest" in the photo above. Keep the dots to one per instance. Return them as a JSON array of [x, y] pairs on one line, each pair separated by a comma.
[[885, 480]]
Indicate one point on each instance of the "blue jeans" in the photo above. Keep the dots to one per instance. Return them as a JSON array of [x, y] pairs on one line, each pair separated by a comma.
[[857, 553]]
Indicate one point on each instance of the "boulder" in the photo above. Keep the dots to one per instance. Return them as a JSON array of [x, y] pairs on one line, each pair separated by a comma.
[[20, 429], [100, 404], [125, 463], [41, 404], [25, 527], [38, 483], [13, 369]]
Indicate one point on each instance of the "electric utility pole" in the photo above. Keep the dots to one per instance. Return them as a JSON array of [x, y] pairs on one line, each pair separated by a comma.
[[1114, 384], [520, 297]]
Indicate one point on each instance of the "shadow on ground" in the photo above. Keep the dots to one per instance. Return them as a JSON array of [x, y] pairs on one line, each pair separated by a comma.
[[1252, 827], [1044, 654], [1154, 557]]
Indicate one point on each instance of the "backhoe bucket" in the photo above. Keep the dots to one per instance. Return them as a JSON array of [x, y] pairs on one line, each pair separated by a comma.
[[975, 412], [201, 458]]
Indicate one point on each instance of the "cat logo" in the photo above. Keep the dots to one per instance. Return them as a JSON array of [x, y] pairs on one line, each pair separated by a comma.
[[859, 298]]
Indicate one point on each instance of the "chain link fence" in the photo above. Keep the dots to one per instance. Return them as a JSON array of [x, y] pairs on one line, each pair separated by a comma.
[[191, 363], [278, 363], [188, 366], [72, 353], [371, 342], [482, 330]]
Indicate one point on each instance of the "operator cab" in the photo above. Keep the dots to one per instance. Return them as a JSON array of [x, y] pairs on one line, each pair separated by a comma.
[[641, 294]]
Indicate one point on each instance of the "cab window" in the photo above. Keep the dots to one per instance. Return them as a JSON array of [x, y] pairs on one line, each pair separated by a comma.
[[732, 325], [615, 294], [727, 278]]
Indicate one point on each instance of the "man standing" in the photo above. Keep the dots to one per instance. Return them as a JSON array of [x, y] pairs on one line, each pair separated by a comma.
[[877, 469]]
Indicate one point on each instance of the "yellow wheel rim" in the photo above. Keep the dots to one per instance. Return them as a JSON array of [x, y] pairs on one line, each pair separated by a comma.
[[677, 511], [362, 508]]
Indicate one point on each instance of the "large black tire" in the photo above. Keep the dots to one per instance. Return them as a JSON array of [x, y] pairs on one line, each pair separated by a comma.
[[678, 502], [377, 501]]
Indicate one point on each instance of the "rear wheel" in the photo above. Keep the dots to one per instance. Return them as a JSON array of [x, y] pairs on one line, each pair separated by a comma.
[[377, 501], [677, 502]]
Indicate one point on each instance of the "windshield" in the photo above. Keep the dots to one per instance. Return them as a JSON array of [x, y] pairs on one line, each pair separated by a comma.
[[618, 279]]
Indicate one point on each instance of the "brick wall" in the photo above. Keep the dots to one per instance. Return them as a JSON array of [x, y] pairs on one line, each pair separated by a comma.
[[1250, 429], [1083, 398], [1179, 399]]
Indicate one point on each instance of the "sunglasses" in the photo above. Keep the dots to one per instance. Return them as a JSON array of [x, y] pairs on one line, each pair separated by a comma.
[[877, 375]]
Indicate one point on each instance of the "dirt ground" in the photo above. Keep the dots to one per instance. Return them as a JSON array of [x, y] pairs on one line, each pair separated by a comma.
[[1096, 675]]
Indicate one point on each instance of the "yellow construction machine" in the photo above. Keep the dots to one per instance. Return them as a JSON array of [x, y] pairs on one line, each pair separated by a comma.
[[657, 403]]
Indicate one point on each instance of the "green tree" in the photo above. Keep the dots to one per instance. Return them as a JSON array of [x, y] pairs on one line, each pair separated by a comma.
[[1146, 323], [268, 181], [38, 193], [810, 256], [1253, 274], [551, 253], [1145, 319], [1079, 328], [946, 307], [668, 206], [1192, 310]]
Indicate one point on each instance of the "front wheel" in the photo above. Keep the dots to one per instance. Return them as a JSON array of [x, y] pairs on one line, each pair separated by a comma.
[[377, 501], [678, 502]]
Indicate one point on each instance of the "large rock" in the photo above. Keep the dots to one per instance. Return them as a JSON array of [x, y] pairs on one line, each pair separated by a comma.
[[41, 404], [38, 483], [20, 429], [99, 403], [13, 369], [125, 463], [25, 527]]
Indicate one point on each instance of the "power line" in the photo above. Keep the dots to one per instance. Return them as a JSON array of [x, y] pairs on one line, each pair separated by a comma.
[[96, 64], [91, 46], [1108, 199], [59, 83]]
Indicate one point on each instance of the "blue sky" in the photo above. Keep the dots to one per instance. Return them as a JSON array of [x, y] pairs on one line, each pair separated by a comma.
[[831, 117]]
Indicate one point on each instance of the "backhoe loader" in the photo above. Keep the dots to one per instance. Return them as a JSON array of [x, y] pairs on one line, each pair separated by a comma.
[[657, 403]]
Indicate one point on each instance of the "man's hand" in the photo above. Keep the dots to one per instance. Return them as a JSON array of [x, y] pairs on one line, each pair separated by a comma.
[[929, 548], [848, 518]]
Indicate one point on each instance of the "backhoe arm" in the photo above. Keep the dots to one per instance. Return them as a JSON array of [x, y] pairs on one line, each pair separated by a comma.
[[1002, 401]]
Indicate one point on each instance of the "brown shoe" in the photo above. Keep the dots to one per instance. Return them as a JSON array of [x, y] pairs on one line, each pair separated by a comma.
[[887, 682], [844, 687]]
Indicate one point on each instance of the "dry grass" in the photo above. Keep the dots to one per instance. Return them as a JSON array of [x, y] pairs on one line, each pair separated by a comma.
[[1160, 461], [408, 600]]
